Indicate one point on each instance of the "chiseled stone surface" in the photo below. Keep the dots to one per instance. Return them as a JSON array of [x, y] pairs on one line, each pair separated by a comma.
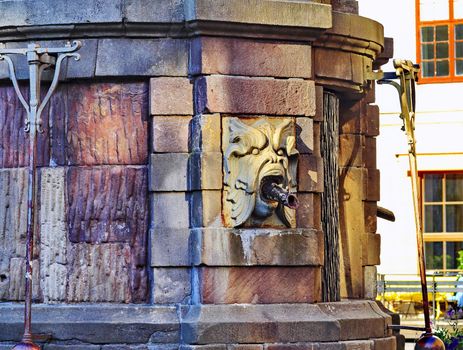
[[308, 214], [142, 57], [53, 235], [260, 285], [206, 133], [231, 94], [107, 124], [229, 56], [162, 213], [171, 96], [13, 209], [158, 11], [169, 172], [170, 247], [245, 247]]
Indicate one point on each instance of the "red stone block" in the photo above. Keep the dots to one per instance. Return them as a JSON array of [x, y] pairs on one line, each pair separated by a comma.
[[218, 55], [370, 212], [370, 119], [260, 285], [107, 124], [369, 152], [229, 94], [308, 214], [310, 173], [372, 185], [170, 134], [171, 96]]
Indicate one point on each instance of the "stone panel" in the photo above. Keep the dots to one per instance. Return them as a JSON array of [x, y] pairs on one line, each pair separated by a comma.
[[171, 285], [13, 213], [169, 172], [99, 273], [142, 57], [170, 134], [229, 56], [260, 285], [206, 210], [85, 67], [161, 11], [229, 94], [53, 234], [351, 149], [371, 246], [372, 191], [233, 247], [308, 214], [170, 210], [305, 135], [108, 205], [371, 218], [385, 343], [369, 153], [108, 124], [171, 96], [310, 174], [170, 247], [206, 133]]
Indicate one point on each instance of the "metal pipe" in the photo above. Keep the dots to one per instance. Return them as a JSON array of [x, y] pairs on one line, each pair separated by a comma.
[[273, 192]]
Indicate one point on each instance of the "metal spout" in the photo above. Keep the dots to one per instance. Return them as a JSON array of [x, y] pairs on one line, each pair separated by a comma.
[[272, 191]]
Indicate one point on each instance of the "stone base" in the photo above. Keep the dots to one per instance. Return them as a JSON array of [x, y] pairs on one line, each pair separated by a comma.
[[342, 325]]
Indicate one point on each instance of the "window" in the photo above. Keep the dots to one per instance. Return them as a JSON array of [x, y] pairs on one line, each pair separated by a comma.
[[443, 220], [440, 40]]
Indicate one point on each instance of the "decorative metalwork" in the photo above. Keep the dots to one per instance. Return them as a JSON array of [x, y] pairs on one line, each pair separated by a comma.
[[39, 59], [407, 73]]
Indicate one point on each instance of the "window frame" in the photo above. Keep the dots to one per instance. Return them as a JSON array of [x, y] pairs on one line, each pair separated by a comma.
[[443, 236], [451, 22]]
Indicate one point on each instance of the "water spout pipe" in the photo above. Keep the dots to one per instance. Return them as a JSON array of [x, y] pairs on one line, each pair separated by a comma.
[[273, 192]]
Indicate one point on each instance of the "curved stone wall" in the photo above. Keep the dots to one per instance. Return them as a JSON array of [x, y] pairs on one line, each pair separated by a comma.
[[134, 201]]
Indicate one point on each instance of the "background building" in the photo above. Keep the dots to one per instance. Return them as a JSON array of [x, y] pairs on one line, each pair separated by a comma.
[[429, 32]]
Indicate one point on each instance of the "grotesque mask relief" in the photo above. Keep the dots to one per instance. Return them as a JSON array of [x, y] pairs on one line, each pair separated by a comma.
[[260, 162]]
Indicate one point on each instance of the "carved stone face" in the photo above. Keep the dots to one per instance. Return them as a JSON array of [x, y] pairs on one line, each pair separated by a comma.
[[254, 153]]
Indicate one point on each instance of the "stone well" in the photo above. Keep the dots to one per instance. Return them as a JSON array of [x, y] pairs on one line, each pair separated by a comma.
[[151, 232]]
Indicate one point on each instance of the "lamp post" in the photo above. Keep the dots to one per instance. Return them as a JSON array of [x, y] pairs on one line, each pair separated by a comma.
[[38, 59]]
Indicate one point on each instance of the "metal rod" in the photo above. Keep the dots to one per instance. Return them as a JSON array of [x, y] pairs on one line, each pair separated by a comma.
[[38, 60]]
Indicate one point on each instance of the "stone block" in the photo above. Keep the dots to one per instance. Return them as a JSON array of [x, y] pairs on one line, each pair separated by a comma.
[[245, 346], [206, 171], [204, 347], [17, 285], [246, 247], [99, 273], [170, 134], [75, 347], [171, 285], [260, 285], [89, 323], [107, 124], [358, 320], [108, 204], [170, 247], [142, 57], [369, 153], [371, 249], [18, 14], [53, 234], [371, 120], [171, 96], [170, 210], [310, 173], [206, 208], [85, 67], [13, 210], [308, 214], [316, 138], [206, 133], [244, 95], [230, 56], [291, 346], [277, 13], [305, 135], [333, 64], [319, 110], [370, 282], [351, 117], [358, 345], [372, 184], [169, 172], [370, 211], [346, 6], [388, 343], [238, 323], [147, 11], [351, 149]]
